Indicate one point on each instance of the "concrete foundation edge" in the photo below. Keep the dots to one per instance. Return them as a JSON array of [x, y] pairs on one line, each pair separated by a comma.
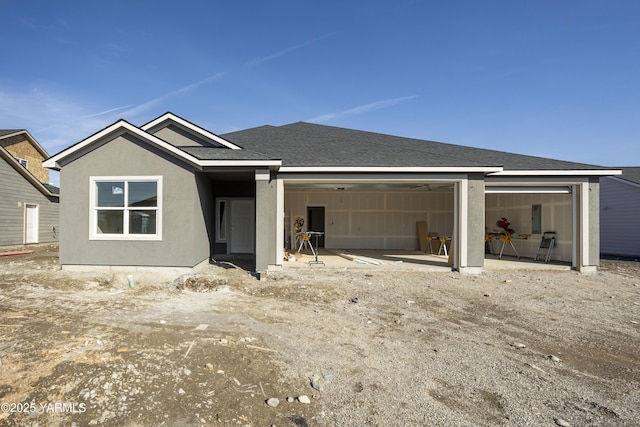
[[140, 273]]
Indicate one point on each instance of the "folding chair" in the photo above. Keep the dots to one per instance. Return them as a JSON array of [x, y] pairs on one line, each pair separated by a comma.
[[547, 243]]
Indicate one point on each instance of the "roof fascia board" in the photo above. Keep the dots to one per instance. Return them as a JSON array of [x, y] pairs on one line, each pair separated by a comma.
[[31, 140], [534, 181], [118, 128], [251, 163], [368, 178], [403, 169], [192, 127], [25, 173], [557, 172]]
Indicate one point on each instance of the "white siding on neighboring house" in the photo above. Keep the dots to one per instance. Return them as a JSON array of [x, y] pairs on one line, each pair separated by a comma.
[[619, 217]]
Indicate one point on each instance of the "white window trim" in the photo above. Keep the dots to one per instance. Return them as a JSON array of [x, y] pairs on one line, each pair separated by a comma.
[[93, 210]]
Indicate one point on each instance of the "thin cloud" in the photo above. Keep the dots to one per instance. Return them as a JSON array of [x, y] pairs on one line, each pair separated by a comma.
[[258, 61], [139, 109], [385, 103], [102, 113], [57, 120]]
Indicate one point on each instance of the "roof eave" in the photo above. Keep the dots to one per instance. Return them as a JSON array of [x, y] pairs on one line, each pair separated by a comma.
[[625, 181], [121, 126], [31, 140], [384, 169], [26, 173], [558, 172], [241, 163]]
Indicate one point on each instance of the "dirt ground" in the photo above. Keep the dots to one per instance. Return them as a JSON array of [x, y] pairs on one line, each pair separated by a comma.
[[371, 347]]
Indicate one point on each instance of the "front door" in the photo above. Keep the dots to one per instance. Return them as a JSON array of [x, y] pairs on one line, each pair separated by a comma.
[[31, 224], [242, 227]]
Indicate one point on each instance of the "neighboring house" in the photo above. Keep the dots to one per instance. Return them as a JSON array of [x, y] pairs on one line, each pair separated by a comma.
[[620, 214], [29, 208], [171, 195]]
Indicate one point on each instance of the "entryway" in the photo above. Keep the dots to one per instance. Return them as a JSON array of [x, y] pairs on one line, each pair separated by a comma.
[[316, 223]]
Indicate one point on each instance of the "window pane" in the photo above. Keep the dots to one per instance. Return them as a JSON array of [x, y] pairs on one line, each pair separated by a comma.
[[143, 194], [110, 194], [536, 219], [222, 220], [142, 222], [110, 222]]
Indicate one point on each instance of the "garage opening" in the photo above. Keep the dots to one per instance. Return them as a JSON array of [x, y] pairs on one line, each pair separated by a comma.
[[369, 216], [527, 213]]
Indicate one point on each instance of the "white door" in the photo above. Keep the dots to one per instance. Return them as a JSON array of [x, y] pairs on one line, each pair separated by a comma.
[[31, 224], [242, 227]]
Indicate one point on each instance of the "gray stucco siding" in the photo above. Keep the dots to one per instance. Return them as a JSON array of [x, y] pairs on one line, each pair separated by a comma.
[[184, 240], [475, 225], [180, 138], [15, 192], [594, 222], [266, 214]]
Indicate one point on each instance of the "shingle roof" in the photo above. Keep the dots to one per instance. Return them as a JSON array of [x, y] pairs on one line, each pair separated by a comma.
[[52, 188], [311, 145], [630, 173], [4, 132]]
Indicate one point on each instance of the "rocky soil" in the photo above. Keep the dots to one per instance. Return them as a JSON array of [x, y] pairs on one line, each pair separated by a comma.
[[319, 347]]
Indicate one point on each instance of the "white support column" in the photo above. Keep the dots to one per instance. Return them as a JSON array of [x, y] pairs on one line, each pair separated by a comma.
[[460, 228], [582, 227], [279, 223], [575, 236], [468, 253], [584, 224]]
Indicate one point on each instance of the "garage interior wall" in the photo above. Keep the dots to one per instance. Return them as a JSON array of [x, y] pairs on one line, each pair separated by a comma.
[[372, 219], [556, 216]]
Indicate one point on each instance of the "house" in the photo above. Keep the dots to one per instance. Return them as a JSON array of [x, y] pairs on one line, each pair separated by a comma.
[[620, 214], [29, 208], [171, 195]]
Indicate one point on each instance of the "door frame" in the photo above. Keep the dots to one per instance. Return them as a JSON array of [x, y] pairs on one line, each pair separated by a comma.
[[34, 226]]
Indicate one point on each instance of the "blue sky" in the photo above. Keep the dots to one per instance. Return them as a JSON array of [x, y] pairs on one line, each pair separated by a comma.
[[556, 79]]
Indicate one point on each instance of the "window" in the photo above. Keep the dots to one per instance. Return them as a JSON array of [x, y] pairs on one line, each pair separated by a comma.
[[221, 220], [126, 208], [536, 219], [23, 162]]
